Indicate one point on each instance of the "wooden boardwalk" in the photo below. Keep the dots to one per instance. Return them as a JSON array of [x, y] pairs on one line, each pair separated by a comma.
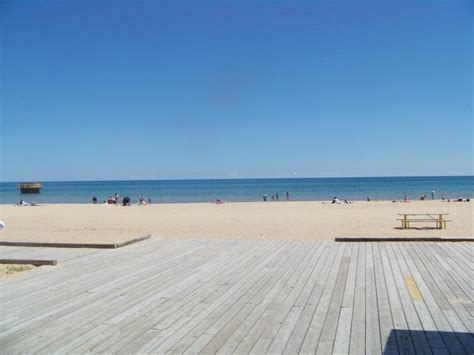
[[242, 296]]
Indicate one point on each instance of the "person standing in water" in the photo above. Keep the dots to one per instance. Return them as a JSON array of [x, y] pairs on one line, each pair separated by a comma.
[[287, 195], [433, 194]]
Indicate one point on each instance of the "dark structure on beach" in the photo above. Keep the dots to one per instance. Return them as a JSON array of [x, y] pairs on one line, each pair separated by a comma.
[[30, 187]]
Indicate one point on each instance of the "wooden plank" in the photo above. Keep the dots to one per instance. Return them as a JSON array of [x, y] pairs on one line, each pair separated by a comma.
[[146, 322], [420, 341], [459, 259], [133, 240], [446, 299], [75, 245], [446, 331], [51, 299], [457, 274], [224, 326], [229, 296], [323, 271], [85, 301], [36, 262], [241, 332], [438, 267], [328, 332], [313, 334], [468, 248], [309, 298], [61, 245], [261, 346], [357, 341], [403, 239], [343, 333], [465, 255], [282, 304], [404, 342], [284, 332], [197, 310], [91, 272], [187, 304], [372, 326], [127, 304], [200, 322], [387, 336], [107, 260]]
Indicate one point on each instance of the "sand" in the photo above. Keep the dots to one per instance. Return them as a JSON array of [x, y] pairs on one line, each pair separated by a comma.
[[254, 220], [8, 271]]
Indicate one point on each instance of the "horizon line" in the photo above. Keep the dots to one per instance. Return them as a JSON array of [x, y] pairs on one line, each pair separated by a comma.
[[248, 178]]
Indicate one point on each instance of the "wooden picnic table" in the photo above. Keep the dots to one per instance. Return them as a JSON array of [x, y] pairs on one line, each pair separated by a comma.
[[438, 218]]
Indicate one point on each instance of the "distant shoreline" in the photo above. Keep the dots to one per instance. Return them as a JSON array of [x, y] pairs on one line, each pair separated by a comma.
[[328, 202], [247, 190], [245, 178]]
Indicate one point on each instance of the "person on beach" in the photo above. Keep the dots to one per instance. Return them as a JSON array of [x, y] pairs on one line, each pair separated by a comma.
[[405, 198], [335, 200], [277, 197], [433, 194], [117, 198], [126, 201], [149, 201], [287, 195], [141, 201], [94, 200], [264, 197], [368, 199]]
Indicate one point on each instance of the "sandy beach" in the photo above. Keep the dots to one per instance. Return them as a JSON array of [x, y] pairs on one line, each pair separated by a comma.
[[255, 220]]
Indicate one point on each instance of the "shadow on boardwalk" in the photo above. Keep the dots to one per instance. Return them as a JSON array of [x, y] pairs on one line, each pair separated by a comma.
[[402, 341]]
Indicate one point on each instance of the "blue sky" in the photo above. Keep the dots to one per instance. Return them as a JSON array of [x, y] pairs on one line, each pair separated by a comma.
[[235, 89]]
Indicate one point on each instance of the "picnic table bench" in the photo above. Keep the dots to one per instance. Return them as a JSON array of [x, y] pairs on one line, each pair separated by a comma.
[[437, 218]]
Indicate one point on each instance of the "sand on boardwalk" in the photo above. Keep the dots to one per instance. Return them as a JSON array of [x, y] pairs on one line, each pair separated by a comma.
[[86, 223], [10, 270]]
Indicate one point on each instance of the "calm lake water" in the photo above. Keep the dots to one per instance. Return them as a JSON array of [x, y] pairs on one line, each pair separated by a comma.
[[168, 191]]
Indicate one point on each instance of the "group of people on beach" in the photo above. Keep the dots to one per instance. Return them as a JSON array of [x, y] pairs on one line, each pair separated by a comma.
[[443, 198], [24, 203], [335, 199], [275, 197], [126, 201]]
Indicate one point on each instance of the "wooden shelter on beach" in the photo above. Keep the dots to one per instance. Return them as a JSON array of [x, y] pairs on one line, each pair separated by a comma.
[[30, 187]]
